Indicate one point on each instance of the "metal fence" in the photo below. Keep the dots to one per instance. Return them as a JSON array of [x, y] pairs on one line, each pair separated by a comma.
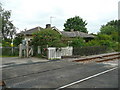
[[89, 50], [9, 51]]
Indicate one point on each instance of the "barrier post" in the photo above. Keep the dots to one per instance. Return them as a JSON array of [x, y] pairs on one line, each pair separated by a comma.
[[20, 50], [27, 48]]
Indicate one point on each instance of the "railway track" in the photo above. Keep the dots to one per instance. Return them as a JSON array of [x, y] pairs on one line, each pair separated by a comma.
[[102, 58]]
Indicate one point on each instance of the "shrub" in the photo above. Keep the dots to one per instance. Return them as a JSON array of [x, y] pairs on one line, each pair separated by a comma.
[[47, 37], [18, 39], [111, 45], [5, 43], [92, 43], [77, 42], [103, 37]]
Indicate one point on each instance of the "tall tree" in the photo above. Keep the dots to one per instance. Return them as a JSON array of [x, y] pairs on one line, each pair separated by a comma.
[[112, 28], [107, 29], [8, 29], [114, 23], [76, 24]]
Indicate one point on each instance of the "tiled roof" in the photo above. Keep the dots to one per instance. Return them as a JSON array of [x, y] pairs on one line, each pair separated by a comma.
[[65, 33], [76, 34], [31, 31]]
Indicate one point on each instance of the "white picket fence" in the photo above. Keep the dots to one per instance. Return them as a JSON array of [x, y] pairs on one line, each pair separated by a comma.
[[56, 53]]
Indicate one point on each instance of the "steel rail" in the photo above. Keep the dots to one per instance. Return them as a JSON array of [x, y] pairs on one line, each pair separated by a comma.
[[99, 57]]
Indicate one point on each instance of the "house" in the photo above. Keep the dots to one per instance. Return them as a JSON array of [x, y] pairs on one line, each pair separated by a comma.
[[72, 34], [28, 34]]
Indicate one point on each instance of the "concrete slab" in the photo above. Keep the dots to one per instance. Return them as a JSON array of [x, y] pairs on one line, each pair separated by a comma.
[[16, 60], [7, 61]]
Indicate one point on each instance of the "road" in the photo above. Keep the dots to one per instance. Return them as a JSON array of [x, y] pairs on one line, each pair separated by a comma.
[[60, 73], [102, 81]]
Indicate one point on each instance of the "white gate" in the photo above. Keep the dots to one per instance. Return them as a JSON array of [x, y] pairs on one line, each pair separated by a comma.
[[56, 53]]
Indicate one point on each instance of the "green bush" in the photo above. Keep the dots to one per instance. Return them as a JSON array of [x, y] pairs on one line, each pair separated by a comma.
[[111, 45], [18, 39], [103, 37], [115, 46], [77, 42], [5, 43], [47, 38], [107, 29], [92, 43]]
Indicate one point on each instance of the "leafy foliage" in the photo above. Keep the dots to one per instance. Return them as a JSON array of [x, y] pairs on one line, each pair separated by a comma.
[[47, 37], [107, 30], [92, 43], [114, 23], [77, 42], [76, 23], [115, 36], [103, 37], [5, 43], [18, 39], [8, 29], [109, 35], [107, 43], [112, 28]]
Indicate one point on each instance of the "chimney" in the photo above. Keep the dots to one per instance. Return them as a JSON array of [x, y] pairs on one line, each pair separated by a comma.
[[48, 25], [38, 28]]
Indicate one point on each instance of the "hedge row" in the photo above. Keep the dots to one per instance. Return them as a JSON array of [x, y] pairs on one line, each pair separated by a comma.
[[89, 50]]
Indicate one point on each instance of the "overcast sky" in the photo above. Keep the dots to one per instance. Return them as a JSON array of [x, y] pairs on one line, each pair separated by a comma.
[[32, 13]]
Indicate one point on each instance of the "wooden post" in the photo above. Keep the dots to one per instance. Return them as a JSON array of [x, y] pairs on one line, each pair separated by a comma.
[[20, 50], [39, 51], [47, 51], [27, 48], [32, 51], [24, 51]]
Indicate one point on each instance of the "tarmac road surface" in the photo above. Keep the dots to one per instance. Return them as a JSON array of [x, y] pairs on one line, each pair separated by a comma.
[[60, 73]]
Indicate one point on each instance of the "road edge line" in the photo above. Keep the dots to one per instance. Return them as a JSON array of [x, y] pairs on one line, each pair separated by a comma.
[[85, 78]]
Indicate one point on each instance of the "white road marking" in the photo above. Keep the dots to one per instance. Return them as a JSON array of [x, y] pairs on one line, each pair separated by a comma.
[[85, 79]]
